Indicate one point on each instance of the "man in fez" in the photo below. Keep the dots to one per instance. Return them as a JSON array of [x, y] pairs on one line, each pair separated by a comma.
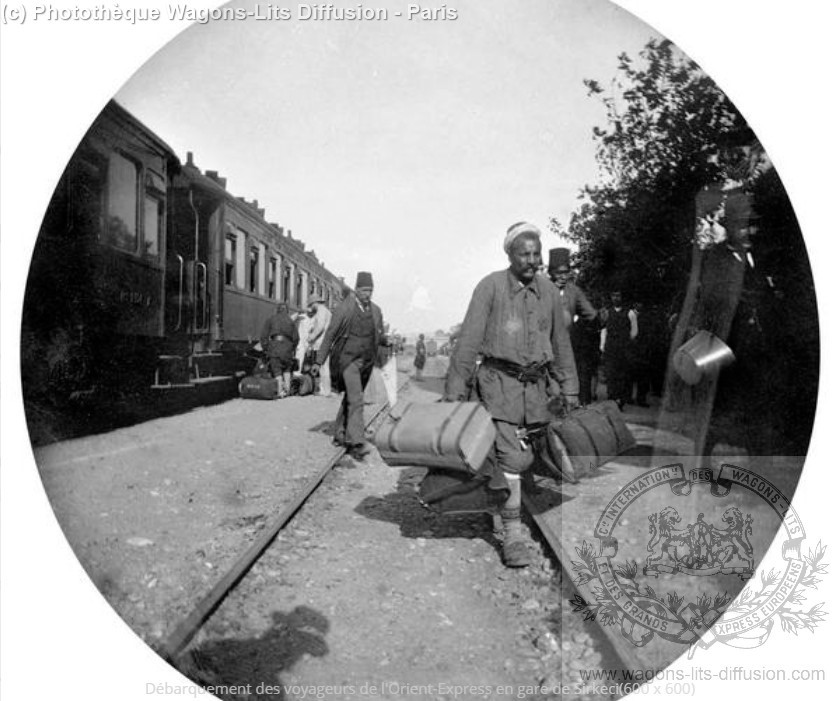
[[351, 343], [514, 324], [580, 319]]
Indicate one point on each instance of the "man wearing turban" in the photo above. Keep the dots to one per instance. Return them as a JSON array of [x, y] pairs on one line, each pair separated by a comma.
[[516, 327]]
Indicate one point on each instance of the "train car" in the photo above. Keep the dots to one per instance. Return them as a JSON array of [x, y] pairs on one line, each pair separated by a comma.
[[94, 303], [149, 274], [228, 268]]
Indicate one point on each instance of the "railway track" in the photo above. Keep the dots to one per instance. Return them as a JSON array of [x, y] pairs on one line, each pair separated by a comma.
[[614, 651], [184, 632], [178, 642]]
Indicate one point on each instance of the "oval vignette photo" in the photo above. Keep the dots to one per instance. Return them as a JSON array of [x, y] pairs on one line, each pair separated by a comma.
[[417, 352]]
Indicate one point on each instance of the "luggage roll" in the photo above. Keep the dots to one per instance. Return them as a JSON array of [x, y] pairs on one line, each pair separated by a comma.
[[586, 439], [453, 435], [259, 388]]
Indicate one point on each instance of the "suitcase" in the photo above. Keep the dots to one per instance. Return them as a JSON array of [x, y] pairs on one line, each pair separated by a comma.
[[585, 439], [259, 388], [453, 435]]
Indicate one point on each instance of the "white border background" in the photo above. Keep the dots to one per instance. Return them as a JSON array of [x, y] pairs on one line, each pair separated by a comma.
[[60, 640]]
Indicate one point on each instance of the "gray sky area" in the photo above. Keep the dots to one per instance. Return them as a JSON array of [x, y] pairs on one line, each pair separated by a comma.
[[399, 146]]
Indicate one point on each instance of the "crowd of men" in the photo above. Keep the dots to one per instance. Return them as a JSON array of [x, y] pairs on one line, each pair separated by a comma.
[[290, 346], [626, 343]]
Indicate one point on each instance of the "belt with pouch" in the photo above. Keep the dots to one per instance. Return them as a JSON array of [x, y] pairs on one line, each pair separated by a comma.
[[523, 373]]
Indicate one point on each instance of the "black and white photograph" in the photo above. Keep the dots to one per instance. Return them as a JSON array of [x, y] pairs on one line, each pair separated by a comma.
[[474, 350]]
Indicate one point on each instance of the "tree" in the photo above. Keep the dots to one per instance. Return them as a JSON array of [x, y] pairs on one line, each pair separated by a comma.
[[668, 126], [675, 147]]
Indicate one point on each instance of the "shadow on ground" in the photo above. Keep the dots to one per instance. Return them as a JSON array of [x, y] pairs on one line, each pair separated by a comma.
[[327, 427], [404, 509], [249, 668]]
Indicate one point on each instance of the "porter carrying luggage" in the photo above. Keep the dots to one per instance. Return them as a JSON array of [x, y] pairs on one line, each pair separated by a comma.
[[259, 388], [454, 435]]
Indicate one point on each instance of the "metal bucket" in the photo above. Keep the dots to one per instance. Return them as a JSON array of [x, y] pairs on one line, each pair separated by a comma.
[[701, 356]]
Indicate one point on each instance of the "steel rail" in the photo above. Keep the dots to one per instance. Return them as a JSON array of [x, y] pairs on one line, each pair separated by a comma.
[[181, 636]]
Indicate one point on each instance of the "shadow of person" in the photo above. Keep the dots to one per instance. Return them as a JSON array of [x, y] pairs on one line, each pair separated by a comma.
[[327, 427], [249, 668], [404, 509]]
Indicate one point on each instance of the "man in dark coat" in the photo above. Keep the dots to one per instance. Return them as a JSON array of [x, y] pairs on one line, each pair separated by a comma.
[[419, 357], [580, 319], [515, 325], [619, 330], [351, 343], [279, 340], [737, 304]]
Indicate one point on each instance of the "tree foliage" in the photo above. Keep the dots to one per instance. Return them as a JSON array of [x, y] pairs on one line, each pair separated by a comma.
[[668, 129]]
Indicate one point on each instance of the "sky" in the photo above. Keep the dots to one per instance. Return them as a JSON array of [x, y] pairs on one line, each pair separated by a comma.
[[775, 59], [398, 146]]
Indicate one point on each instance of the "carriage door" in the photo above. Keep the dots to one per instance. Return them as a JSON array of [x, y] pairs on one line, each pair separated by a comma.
[[188, 296], [199, 286]]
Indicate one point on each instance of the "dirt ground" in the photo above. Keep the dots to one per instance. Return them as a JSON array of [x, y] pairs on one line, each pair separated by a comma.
[[364, 595], [369, 591]]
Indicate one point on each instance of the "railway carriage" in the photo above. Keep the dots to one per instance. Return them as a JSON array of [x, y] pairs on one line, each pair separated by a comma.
[[149, 274]]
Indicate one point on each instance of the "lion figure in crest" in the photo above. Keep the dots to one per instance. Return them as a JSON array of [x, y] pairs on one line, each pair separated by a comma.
[[668, 540], [733, 542], [700, 546]]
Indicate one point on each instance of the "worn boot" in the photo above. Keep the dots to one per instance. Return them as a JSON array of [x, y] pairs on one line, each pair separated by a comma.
[[514, 548]]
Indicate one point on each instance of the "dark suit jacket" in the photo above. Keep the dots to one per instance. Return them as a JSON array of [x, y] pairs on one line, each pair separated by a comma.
[[337, 333], [575, 303]]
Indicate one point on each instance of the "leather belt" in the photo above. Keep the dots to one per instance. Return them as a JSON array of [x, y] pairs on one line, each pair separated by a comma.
[[523, 373], [279, 337]]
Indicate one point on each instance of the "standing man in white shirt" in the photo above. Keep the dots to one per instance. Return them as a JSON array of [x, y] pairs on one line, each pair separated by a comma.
[[320, 318]]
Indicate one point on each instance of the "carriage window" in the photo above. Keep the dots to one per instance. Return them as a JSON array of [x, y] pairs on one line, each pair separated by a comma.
[[121, 229], [298, 291], [286, 284], [241, 270], [254, 270], [229, 260], [260, 266], [152, 225], [272, 278]]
